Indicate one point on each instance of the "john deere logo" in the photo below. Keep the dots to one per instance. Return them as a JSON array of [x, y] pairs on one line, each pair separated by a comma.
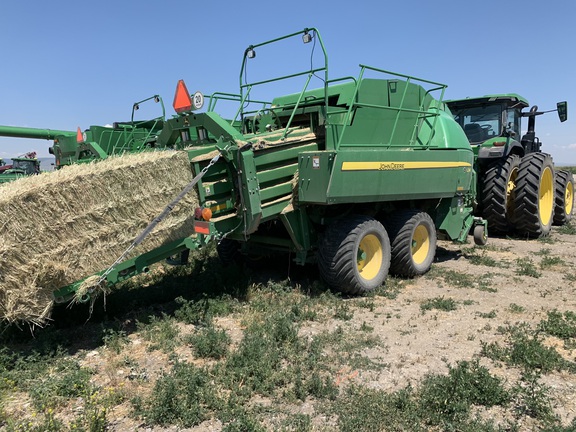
[[391, 166]]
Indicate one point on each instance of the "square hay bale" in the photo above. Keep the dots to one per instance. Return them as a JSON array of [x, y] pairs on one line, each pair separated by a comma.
[[59, 227]]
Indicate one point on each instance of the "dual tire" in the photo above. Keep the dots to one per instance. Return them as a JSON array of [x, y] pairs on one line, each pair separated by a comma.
[[535, 195], [526, 196], [499, 194], [564, 202], [356, 254]]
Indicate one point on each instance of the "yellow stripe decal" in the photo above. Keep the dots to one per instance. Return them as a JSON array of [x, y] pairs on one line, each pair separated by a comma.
[[219, 207], [398, 166]]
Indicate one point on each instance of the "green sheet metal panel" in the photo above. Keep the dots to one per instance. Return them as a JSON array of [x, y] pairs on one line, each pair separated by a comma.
[[394, 175]]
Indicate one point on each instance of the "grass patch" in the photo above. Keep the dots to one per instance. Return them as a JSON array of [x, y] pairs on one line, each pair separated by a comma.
[[524, 348], [210, 342], [568, 229], [440, 303], [443, 401], [561, 325], [526, 267], [516, 308], [550, 261], [161, 332]]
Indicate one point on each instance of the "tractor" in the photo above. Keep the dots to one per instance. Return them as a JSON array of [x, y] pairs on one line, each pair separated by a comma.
[[518, 187], [23, 165]]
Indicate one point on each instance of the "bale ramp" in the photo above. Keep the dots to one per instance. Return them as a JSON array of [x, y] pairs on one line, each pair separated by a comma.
[[59, 227]]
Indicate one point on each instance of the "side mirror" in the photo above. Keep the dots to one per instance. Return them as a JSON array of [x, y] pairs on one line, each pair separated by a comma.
[[562, 108]]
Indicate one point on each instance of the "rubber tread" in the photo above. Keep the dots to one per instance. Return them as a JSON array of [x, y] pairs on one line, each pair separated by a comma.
[[494, 194], [563, 179], [229, 252], [401, 226], [527, 217], [337, 254]]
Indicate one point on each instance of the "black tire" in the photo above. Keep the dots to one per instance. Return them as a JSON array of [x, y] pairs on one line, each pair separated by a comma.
[[229, 252], [498, 194], [535, 192], [339, 255], [413, 242], [564, 203]]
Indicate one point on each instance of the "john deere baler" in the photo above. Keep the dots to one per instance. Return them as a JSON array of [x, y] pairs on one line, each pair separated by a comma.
[[359, 176]]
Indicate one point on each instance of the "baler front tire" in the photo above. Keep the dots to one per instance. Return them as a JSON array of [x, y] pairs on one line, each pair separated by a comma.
[[413, 242], [564, 203], [229, 252], [498, 194], [354, 255], [535, 192]]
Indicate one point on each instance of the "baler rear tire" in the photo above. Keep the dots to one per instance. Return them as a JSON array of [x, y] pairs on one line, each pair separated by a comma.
[[535, 192], [354, 255], [413, 242], [498, 194], [564, 203]]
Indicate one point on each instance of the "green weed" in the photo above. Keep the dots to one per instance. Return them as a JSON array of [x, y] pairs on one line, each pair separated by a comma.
[[549, 261], [161, 332], [568, 229], [440, 303], [515, 308], [210, 342], [447, 399], [491, 314], [524, 348], [562, 326], [184, 396], [531, 397], [526, 267]]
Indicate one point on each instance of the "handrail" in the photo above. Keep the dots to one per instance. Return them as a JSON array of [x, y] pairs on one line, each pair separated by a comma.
[[421, 113], [247, 87]]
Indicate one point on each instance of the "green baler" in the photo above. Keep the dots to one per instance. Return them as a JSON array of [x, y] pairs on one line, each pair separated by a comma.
[[359, 176]]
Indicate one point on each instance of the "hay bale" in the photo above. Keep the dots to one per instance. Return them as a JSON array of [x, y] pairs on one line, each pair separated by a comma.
[[57, 228]]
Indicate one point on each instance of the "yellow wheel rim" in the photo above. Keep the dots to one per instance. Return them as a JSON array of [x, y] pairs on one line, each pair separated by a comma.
[[420, 244], [369, 258], [511, 192], [569, 198], [546, 199]]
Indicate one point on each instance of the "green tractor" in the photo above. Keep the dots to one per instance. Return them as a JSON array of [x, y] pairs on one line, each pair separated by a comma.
[[518, 188], [22, 166]]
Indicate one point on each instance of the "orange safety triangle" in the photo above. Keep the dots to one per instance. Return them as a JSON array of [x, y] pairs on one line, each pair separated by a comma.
[[79, 135], [182, 100]]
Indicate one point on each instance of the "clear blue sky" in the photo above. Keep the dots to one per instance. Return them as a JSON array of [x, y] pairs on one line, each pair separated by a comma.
[[67, 63]]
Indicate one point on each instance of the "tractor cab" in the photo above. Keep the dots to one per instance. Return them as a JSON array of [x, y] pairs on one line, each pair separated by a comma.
[[489, 117], [25, 166], [493, 122]]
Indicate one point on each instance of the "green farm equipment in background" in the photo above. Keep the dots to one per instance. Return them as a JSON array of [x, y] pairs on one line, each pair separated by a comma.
[[97, 142], [358, 176], [22, 166], [518, 189]]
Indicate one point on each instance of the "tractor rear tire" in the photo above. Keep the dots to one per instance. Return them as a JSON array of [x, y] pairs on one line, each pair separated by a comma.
[[535, 192], [354, 255], [498, 194], [413, 242], [564, 198]]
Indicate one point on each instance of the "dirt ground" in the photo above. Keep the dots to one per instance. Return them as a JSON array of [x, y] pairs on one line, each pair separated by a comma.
[[490, 289]]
